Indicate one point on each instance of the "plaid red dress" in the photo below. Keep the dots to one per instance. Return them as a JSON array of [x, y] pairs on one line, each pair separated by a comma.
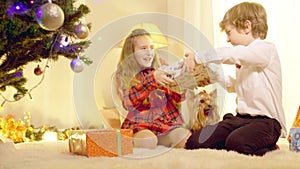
[[151, 106]]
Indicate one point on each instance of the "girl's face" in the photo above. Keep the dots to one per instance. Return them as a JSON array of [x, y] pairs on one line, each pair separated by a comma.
[[144, 51]]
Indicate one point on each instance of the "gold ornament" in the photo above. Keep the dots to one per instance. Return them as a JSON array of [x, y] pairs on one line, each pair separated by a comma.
[[81, 31], [50, 16]]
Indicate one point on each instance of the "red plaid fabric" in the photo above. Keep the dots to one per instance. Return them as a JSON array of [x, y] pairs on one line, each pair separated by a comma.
[[151, 106]]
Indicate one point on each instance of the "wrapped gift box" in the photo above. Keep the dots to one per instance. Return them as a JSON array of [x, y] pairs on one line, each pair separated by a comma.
[[202, 76], [295, 124], [108, 142], [77, 142], [295, 139]]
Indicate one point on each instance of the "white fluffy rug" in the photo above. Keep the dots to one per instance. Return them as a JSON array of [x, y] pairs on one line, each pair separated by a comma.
[[55, 155]]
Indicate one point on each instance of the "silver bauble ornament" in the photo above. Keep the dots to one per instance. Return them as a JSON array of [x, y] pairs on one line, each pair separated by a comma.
[[81, 31], [77, 65], [50, 16]]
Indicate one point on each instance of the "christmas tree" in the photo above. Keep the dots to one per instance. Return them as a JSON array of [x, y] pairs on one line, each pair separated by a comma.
[[37, 30]]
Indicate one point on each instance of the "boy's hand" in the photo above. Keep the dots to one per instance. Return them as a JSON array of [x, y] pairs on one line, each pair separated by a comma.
[[189, 62]]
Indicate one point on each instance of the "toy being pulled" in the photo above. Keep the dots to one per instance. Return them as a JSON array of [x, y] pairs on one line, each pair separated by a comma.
[[202, 76]]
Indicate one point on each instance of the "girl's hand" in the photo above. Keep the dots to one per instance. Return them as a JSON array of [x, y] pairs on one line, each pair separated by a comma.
[[162, 78], [189, 62], [163, 62]]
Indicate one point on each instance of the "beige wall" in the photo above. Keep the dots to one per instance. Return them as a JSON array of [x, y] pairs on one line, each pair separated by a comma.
[[51, 102], [104, 12]]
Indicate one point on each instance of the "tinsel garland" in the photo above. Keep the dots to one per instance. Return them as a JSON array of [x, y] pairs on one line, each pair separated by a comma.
[[22, 131]]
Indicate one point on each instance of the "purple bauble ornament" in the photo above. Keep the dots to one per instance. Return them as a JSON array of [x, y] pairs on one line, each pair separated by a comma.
[[77, 65]]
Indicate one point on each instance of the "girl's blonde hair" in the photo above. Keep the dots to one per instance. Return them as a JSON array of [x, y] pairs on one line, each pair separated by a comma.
[[240, 13], [127, 66]]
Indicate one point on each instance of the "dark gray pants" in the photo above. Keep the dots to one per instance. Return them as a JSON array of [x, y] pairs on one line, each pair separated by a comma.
[[242, 133]]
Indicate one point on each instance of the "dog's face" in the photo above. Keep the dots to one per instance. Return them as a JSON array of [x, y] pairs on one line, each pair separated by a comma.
[[207, 110], [206, 102]]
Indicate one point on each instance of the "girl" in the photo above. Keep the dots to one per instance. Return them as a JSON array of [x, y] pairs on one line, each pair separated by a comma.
[[153, 110]]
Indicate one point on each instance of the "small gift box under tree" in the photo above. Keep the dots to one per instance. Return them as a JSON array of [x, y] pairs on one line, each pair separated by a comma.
[[109, 142]]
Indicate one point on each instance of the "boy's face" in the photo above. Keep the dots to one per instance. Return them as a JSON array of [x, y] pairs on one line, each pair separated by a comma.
[[143, 51], [238, 37]]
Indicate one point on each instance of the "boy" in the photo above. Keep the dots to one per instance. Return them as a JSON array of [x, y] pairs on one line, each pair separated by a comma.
[[260, 119]]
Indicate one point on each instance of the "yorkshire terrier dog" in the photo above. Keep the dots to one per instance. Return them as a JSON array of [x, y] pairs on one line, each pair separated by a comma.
[[203, 109]]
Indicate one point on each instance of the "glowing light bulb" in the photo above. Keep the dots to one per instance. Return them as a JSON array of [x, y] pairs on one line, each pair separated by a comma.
[[49, 136]]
